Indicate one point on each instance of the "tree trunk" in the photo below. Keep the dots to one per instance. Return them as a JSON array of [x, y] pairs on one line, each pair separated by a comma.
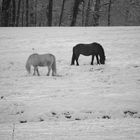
[[62, 10], [96, 15], [49, 12], [22, 19], [27, 13], [0, 11], [5, 13], [13, 12], [35, 12], [87, 14], [109, 11], [126, 17], [18, 13], [83, 13], [75, 11]]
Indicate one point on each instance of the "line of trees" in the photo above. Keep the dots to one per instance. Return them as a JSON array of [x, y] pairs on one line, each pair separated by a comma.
[[69, 12]]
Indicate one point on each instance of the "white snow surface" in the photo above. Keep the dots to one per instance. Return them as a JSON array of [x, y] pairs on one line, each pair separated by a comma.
[[98, 102]]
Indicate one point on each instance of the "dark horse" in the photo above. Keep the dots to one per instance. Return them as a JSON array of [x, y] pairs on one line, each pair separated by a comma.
[[94, 49]]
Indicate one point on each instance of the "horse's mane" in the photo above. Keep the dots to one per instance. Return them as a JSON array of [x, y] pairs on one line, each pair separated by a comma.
[[103, 53], [35, 54]]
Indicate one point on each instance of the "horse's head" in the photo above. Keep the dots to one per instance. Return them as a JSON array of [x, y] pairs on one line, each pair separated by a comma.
[[102, 60]]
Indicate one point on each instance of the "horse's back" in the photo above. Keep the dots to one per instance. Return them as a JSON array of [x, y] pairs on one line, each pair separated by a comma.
[[47, 56], [89, 46], [47, 59], [86, 49]]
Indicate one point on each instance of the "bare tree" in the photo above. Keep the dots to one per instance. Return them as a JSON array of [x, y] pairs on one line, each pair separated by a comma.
[[27, 13], [109, 11], [83, 12], [22, 19], [75, 11], [49, 12], [36, 12], [0, 10], [18, 12], [62, 11], [131, 11], [87, 13], [96, 13], [13, 12], [5, 12]]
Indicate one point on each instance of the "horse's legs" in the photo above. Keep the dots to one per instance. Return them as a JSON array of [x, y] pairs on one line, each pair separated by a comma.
[[92, 59], [98, 62], [49, 69], [34, 70], [37, 71], [73, 59], [53, 73], [77, 59]]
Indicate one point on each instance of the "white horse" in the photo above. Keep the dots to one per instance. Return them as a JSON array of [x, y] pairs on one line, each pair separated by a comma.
[[41, 60]]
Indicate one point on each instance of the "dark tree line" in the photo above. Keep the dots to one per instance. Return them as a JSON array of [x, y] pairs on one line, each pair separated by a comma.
[[69, 12]]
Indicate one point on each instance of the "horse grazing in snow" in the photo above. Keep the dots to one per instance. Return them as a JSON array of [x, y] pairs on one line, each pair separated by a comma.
[[94, 49], [41, 60]]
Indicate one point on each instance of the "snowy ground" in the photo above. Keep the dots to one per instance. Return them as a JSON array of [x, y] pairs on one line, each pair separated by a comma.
[[86, 102]]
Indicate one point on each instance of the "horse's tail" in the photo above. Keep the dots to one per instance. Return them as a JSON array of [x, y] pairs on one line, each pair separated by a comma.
[[73, 57], [54, 66], [28, 65]]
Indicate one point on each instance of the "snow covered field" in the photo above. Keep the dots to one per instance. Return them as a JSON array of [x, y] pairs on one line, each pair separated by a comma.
[[98, 102]]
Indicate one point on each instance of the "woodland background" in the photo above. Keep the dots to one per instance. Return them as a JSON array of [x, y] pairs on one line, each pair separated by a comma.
[[69, 13]]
